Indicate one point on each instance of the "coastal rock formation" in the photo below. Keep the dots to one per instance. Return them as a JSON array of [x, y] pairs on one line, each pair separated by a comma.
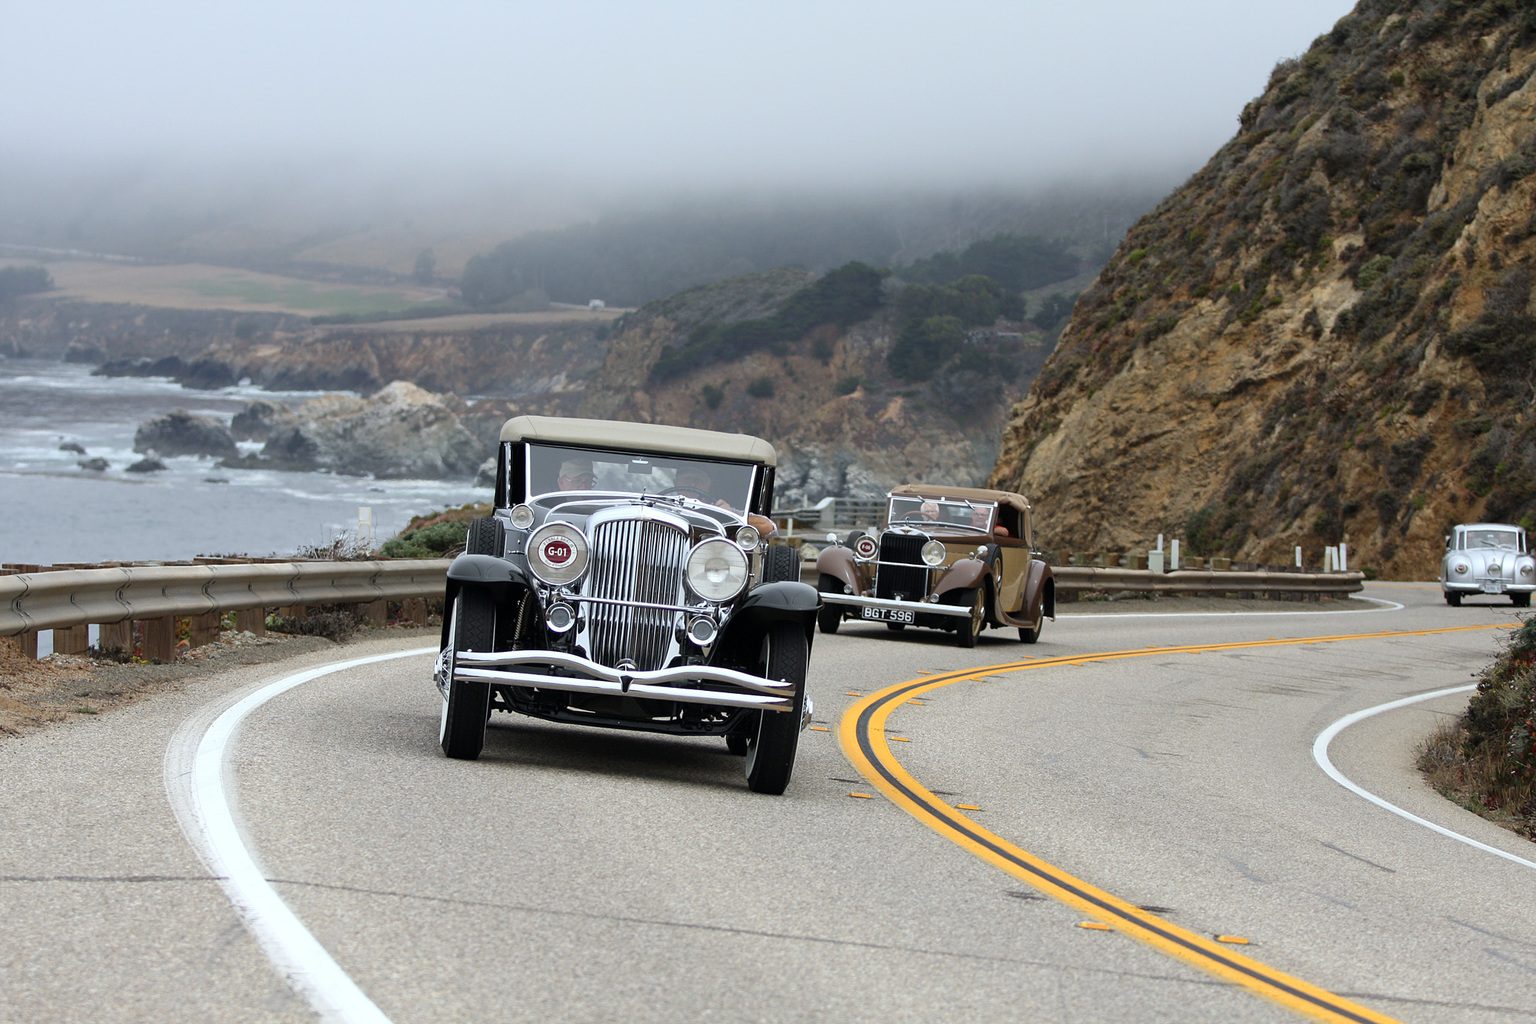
[[260, 420], [1327, 333], [400, 432], [181, 433]]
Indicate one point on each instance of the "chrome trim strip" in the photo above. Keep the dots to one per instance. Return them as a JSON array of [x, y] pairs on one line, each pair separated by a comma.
[[920, 607], [592, 670], [700, 609], [721, 698]]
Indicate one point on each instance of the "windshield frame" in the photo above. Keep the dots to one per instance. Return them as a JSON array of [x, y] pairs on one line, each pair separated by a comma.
[[734, 484]]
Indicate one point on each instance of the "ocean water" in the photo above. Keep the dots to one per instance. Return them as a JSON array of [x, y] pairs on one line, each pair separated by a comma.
[[52, 510]]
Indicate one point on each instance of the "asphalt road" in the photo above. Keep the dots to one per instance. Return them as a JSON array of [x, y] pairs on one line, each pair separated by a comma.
[[581, 875]]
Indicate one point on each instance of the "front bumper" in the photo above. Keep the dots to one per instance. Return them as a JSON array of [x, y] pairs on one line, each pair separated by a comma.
[[1487, 587], [886, 604], [553, 670]]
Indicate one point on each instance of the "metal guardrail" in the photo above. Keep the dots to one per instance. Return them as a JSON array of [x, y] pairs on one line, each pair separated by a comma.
[[832, 514], [73, 597], [1079, 578]]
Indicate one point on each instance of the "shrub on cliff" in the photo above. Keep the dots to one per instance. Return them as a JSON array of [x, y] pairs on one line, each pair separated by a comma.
[[839, 297], [1486, 760], [16, 281], [1017, 262]]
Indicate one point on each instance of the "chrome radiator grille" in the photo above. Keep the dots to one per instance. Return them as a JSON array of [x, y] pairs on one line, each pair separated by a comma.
[[634, 560]]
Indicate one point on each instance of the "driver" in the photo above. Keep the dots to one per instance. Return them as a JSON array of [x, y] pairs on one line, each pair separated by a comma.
[[576, 475], [693, 482]]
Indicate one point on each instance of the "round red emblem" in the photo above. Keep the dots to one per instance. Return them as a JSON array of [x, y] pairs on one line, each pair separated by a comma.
[[558, 551]]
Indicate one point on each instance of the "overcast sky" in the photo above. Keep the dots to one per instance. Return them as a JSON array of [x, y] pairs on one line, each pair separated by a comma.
[[639, 94]]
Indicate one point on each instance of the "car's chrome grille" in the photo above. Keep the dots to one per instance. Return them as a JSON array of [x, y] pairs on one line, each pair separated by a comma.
[[634, 560], [892, 581]]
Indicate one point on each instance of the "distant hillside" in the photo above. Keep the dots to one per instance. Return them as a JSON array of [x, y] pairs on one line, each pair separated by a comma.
[[825, 393], [1327, 332], [635, 258]]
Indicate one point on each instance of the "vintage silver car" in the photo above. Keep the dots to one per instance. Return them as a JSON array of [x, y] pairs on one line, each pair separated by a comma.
[[1487, 558], [625, 580], [955, 558]]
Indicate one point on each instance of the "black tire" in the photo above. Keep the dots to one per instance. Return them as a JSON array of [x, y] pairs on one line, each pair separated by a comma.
[[771, 759], [484, 537], [738, 742], [1453, 598], [831, 615], [462, 729], [966, 632], [781, 562], [895, 627], [853, 538], [1520, 600], [1029, 636]]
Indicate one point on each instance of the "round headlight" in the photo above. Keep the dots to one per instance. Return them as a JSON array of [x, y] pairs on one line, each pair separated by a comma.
[[1526, 570], [747, 538], [865, 547], [717, 570], [933, 554], [1460, 568], [558, 553], [522, 516]]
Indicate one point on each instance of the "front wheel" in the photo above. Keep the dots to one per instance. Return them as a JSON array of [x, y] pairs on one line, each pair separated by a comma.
[[1453, 598], [966, 632], [1520, 600], [461, 730], [771, 758], [830, 616]]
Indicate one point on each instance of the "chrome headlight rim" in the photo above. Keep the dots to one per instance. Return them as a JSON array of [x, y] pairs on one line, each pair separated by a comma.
[[933, 554], [866, 551], [716, 570], [521, 516], [1460, 568], [545, 558], [747, 538]]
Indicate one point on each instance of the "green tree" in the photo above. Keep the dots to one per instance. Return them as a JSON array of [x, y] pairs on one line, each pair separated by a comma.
[[426, 267]]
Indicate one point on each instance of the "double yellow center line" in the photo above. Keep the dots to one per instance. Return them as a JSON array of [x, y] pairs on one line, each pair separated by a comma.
[[862, 735]]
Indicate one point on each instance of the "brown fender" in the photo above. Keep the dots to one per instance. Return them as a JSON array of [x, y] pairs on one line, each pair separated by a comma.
[[837, 561], [962, 574]]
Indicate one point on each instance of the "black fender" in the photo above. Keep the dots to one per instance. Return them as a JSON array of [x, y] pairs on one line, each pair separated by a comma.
[[480, 570], [742, 637]]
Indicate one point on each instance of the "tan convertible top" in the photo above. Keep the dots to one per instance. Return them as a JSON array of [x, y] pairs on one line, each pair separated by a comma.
[[1008, 498], [645, 437]]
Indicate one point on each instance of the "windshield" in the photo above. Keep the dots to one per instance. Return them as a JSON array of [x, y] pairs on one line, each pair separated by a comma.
[[942, 512], [1504, 540], [553, 468]]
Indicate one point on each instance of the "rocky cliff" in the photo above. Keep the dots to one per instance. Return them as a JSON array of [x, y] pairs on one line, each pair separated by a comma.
[[1327, 332], [842, 423], [541, 360]]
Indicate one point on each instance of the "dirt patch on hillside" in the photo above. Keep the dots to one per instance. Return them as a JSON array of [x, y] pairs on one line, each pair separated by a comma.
[[37, 693]]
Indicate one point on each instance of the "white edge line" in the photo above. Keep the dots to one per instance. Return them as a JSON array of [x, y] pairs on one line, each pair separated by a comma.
[[1390, 606], [195, 786], [1320, 755]]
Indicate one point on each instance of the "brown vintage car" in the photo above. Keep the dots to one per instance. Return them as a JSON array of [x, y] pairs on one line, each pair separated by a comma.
[[956, 558]]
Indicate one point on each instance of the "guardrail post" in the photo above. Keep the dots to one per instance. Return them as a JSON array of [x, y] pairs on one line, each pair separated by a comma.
[[72, 640], [376, 612], [1173, 555], [205, 629], [251, 620], [414, 609], [160, 639], [1343, 558], [116, 636], [826, 513], [25, 642], [1155, 560]]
